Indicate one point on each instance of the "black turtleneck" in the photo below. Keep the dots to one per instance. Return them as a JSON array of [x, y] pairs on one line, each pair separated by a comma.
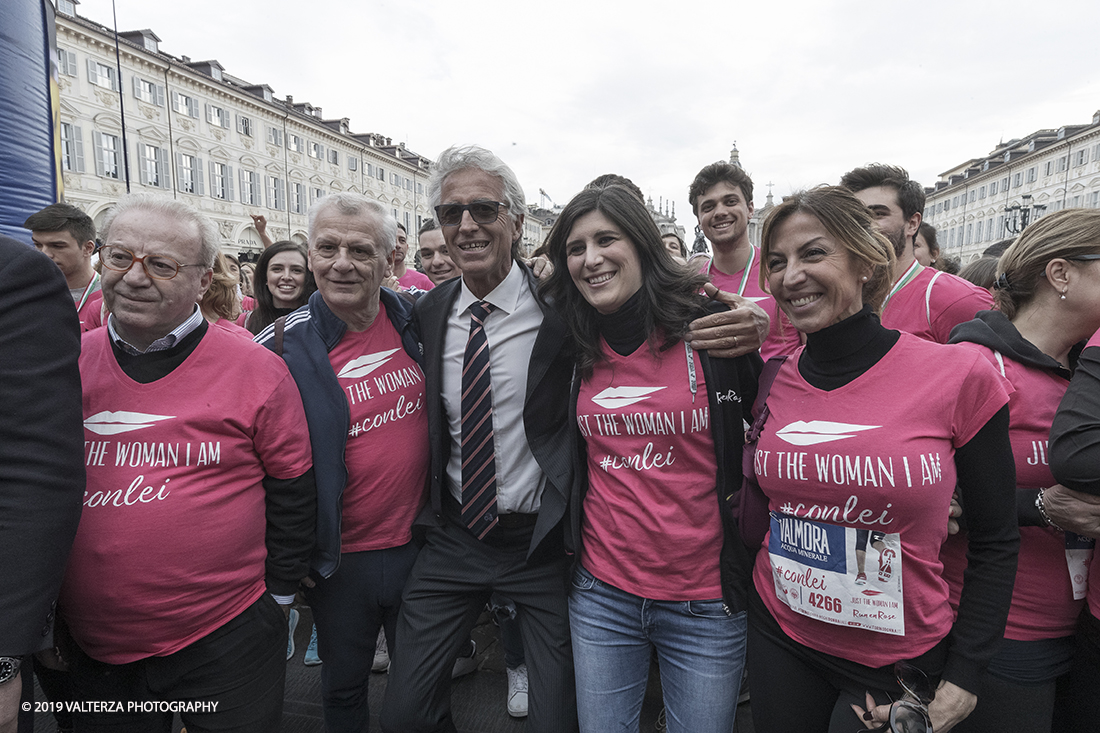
[[838, 354], [624, 330]]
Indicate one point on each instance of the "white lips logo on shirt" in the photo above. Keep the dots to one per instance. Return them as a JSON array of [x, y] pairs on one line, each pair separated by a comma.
[[113, 423], [615, 397], [364, 365], [819, 431]]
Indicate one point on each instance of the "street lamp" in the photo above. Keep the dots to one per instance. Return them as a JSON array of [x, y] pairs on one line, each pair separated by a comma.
[[1017, 217]]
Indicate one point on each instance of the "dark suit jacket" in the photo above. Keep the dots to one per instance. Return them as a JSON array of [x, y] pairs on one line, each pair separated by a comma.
[[41, 443], [545, 412]]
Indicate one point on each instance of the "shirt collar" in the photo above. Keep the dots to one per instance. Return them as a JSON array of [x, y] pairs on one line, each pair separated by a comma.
[[504, 296], [164, 342]]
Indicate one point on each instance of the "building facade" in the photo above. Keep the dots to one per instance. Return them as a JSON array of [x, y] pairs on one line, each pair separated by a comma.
[[191, 130], [985, 200]]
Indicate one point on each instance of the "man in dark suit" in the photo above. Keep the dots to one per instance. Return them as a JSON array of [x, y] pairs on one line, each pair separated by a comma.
[[41, 456], [497, 374]]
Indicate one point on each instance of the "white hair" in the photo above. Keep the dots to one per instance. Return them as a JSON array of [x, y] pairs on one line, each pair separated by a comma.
[[209, 239], [353, 204]]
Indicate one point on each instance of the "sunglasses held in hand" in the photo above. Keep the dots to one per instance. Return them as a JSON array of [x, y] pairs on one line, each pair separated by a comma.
[[910, 714]]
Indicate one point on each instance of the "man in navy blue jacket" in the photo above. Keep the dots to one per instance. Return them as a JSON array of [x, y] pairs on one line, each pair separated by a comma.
[[356, 359]]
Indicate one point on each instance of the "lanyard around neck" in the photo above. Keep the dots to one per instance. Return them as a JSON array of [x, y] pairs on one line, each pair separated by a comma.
[[88, 291], [905, 279], [744, 273]]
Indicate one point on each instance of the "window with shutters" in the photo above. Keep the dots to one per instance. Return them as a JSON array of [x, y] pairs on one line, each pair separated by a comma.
[[148, 91], [72, 148], [250, 188], [108, 154], [217, 116], [221, 181], [244, 125], [275, 136], [276, 193], [102, 75], [297, 198], [153, 165], [189, 174], [66, 62], [185, 105]]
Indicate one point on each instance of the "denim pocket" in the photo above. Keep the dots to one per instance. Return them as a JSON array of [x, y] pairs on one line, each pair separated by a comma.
[[709, 609], [582, 579]]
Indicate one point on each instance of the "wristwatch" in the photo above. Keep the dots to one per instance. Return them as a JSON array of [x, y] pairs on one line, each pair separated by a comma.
[[9, 667]]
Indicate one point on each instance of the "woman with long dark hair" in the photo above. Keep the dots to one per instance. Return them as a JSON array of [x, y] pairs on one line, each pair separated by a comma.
[[283, 284], [661, 566]]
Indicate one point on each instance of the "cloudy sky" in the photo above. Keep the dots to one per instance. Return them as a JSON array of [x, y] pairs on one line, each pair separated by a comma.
[[564, 91]]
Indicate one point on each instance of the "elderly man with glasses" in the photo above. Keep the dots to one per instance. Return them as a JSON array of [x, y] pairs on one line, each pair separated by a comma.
[[356, 358], [200, 504]]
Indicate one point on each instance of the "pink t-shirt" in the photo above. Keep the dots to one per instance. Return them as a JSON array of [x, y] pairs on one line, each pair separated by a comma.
[[932, 314], [651, 520], [875, 454], [782, 339], [171, 541], [232, 327], [1042, 599], [387, 450], [415, 278], [248, 303], [91, 315]]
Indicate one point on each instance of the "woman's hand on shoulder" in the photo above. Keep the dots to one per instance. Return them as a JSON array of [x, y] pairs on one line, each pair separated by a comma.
[[728, 334]]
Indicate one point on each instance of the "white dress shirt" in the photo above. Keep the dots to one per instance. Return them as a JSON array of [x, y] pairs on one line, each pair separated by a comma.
[[511, 330]]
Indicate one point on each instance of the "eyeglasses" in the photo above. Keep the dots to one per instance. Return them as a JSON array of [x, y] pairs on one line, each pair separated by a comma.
[[482, 212], [1084, 258], [157, 267], [910, 714]]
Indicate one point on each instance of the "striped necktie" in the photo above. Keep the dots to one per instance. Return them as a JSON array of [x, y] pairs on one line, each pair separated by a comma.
[[479, 465]]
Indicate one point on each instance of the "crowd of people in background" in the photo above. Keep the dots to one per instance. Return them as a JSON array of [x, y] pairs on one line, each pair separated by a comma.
[[834, 465]]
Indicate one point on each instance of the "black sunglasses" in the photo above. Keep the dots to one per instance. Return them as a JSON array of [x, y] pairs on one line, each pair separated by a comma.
[[482, 212], [910, 714]]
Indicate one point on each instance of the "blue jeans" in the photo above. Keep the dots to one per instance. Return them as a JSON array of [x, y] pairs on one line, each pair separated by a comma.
[[700, 647], [363, 595]]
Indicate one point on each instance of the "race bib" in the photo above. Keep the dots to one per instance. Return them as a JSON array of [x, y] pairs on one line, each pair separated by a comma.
[[1078, 556], [839, 575]]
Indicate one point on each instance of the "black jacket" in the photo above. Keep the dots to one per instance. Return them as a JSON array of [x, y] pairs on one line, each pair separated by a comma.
[[545, 412]]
